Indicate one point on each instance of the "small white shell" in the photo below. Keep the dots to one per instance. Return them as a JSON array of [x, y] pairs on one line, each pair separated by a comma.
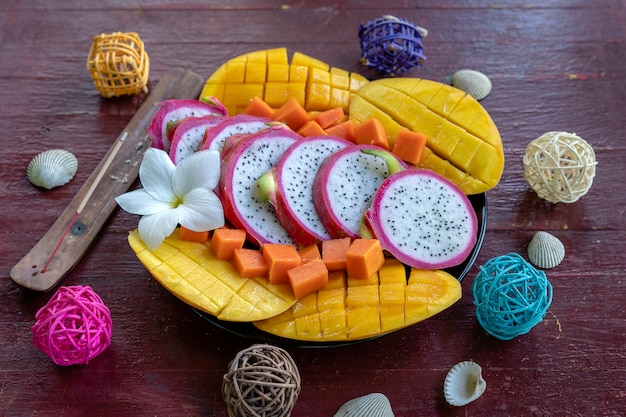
[[464, 383], [474, 83], [52, 168], [545, 250], [371, 405]]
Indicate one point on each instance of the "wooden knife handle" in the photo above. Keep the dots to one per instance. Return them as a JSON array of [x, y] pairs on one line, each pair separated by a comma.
[[68, 239]]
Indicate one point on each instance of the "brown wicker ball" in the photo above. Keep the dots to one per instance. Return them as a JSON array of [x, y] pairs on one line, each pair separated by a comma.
[[262, 381], [118, 64]]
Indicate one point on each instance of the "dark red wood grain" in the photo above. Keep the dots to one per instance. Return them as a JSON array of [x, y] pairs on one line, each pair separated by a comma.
[[555, 65]]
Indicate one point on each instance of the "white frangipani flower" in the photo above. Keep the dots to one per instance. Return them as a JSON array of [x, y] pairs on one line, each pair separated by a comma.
[[175, 194]]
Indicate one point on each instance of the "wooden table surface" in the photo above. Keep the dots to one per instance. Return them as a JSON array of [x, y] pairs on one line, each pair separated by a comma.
[[555, 65]]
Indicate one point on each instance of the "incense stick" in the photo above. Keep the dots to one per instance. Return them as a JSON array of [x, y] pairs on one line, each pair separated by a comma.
[[87, 196]]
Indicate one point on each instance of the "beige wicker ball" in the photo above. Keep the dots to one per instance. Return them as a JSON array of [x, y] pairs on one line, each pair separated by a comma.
[[262, 381], [119, 64], [560, 166]]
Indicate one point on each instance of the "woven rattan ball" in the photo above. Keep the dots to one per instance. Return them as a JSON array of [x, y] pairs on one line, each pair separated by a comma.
[[510, 296], [262, 381], [73, 327], [118, 64], [391, 45], [560, 166]]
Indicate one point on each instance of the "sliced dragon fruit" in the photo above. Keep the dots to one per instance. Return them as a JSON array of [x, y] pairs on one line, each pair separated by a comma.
[[288, 185], [234, 125], [344, 186], [423, 220], [245, 163], [188, 135], [171, 111]]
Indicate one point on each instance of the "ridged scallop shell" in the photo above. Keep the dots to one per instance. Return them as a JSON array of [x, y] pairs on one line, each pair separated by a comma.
[[545, 250], [464, 383], [474, 83], [371, 405], [52, 168]]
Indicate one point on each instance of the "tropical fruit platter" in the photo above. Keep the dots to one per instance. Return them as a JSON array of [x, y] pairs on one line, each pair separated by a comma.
[[341, 208]]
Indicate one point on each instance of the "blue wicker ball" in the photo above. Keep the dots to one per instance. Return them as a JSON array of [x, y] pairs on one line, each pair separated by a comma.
[[510, 296], [391, 45]]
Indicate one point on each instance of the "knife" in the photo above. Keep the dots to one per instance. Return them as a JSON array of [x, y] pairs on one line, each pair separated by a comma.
[[69, 238]]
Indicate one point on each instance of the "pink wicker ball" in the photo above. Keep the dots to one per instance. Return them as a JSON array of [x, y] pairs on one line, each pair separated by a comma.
[[73, 327]]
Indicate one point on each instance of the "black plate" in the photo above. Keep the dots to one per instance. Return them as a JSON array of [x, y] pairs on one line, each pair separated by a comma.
[[249, 331]]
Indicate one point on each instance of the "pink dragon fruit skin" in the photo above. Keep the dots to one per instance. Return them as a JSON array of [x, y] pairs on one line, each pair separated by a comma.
[[289, 187], [423, 220], [169, 111], [217, 135], [344, 187], [188, 134], [250, 158]]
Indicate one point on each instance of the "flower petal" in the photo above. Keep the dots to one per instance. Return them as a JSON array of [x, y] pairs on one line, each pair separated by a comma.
[[156, 173], [201, 210], [153, 229], [142, 203], [201, 169]]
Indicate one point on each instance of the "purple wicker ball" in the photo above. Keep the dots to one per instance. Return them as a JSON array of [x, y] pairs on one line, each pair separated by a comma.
[[73, 327], [392, 45]]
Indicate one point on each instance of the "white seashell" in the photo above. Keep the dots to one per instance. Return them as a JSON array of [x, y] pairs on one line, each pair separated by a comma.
[[474, 83], [545, 250], [52, 168], [371, 405], [464, 383]]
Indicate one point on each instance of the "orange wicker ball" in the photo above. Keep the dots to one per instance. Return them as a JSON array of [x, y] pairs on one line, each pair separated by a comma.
[[118, 64]]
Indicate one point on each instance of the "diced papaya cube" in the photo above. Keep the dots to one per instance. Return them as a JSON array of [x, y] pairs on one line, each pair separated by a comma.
[[310, 253], [280, 258], [409, 146], [308, 278], [334, 253], [364, 258], [329, 117], [292, 114], [225, 241], [311, 128], [371, 132], [249, 263], [343, 130], [192, 236], [258, 107]]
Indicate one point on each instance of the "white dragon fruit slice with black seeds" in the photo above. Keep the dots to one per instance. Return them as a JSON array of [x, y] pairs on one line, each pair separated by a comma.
[[344, 187], [171, 111], [238, 124], [188, 135], [289, 187], [245, 163], [423, 220]]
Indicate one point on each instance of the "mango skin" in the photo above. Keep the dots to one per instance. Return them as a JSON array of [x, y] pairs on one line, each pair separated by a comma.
[[350, 309], [464, 144], [269, 75], [191, 272]]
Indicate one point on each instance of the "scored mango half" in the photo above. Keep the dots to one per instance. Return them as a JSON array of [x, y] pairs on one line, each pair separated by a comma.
[[269, 75], [463, 145], [191, 272], [349, 309]]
